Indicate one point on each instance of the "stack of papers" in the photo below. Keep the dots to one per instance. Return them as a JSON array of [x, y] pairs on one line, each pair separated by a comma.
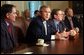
[[42, 44]]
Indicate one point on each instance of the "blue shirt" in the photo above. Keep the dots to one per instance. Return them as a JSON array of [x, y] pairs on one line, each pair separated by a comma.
[[56, 24]]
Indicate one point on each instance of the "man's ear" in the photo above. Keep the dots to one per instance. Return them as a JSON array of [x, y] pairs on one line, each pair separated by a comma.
[[7, 15]]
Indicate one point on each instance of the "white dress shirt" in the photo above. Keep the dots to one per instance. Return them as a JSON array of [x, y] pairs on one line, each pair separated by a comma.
[[45, 26]]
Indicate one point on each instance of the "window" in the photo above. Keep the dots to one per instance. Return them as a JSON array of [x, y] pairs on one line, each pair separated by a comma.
[[34, 5]]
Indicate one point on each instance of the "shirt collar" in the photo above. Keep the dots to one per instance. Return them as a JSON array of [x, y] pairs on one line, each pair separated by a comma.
[[44, 22], [7, 23], [69, 18], [57, 22]]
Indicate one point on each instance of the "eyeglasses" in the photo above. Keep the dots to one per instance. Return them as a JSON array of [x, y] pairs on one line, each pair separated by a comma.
[[60, 14], [46, 11]]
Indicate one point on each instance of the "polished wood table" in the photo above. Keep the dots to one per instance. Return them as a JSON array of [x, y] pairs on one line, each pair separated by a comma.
[[55, 47]]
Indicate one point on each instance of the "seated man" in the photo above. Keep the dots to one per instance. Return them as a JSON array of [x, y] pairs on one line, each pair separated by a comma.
[[40, 27], [8, 39], [59, 25], [70, 21]]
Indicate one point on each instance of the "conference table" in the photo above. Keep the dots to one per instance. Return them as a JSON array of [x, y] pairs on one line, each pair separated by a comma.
[[74, 46]]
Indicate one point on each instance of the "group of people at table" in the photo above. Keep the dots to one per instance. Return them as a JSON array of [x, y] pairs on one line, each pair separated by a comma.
[[48, 23]]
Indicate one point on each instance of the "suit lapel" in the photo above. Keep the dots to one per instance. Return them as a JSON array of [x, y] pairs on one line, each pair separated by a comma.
[[41, 25], [5, 28], [48, 27], [68, 23], [11, 36]]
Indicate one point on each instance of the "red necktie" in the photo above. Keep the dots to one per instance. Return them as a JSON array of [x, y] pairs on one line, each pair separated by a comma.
[[9, 29]]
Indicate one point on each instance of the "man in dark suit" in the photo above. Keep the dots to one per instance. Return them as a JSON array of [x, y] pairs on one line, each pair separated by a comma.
[[70, 21], [58, 24], [40, 27], [8, 40]]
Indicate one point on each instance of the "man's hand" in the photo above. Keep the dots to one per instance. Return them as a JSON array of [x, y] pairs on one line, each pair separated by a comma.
[[65, 34], [58, 35], [62, 36], [73, 32]]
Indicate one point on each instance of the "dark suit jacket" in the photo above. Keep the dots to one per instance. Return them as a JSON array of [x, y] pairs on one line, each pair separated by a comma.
[[61, 26], [36, 30], [7, 41], [75, 23]]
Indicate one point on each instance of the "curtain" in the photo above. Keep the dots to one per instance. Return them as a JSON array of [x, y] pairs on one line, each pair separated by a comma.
[[33, 5]]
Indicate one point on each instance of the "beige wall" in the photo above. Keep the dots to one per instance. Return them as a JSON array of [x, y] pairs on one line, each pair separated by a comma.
[[22, 5], [2, 2], [58, 4]]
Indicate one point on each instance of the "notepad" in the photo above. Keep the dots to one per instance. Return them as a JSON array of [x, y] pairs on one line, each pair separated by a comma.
[[28, 53], [42, 44], [45, 44]]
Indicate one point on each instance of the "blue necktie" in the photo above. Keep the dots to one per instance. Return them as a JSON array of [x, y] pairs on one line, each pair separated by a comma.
[[57, 27]]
